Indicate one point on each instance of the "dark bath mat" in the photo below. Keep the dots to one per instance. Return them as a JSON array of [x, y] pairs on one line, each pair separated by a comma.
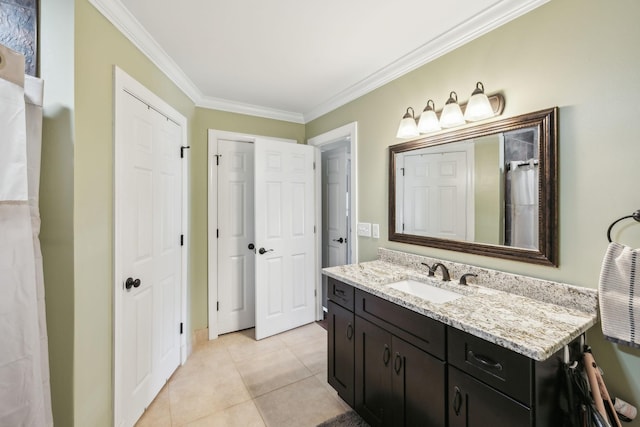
[[348, 419]]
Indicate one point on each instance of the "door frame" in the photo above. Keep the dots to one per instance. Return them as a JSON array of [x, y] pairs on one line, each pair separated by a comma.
[[125, 84], [349, 132], [212, 220]]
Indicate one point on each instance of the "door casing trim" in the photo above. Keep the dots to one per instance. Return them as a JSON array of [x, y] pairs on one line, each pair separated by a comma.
[[350, 132]]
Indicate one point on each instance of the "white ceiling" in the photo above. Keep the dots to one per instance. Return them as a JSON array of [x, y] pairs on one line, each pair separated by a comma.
[[293, 59]]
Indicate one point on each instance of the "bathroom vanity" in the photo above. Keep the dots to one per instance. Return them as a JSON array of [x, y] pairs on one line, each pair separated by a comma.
[[487, 357]]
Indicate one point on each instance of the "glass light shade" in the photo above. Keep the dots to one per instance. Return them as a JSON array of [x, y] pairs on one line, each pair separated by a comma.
[[451, 113], [408, 127], [478, 107], [428, 119]]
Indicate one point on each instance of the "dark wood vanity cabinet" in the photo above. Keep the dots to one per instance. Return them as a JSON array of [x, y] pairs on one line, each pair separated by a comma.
[[396, 383], [491, 385], [474, 404], [341, 334], [399, 368]]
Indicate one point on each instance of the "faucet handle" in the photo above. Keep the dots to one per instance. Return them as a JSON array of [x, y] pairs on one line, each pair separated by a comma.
[[432, 269], [463, 278]]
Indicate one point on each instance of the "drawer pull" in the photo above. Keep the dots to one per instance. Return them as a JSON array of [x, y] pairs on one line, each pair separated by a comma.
[[397, 363], [386, 355], [349, 331], [486, 361], [338, 292], [457, 401]]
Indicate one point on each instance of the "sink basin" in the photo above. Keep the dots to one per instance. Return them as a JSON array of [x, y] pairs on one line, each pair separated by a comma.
[[425, 291]]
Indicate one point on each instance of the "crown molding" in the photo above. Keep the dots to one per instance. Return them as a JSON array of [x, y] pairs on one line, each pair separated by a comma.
[[490, 18], [250, 109], [131, 28], [487, 20]]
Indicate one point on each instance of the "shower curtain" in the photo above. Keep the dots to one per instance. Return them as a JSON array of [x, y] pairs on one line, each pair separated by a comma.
[[524, 205], [25, 396]]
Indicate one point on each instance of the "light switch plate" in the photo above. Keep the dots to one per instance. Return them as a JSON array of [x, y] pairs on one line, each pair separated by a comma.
[[375, 231], [364, 229]]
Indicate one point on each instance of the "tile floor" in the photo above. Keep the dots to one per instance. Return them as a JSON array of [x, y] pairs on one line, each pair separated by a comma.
[[236, 381]]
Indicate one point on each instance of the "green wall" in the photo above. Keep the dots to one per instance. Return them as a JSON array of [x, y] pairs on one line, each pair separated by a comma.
[[488, 190], [56, 197], [579, 55]]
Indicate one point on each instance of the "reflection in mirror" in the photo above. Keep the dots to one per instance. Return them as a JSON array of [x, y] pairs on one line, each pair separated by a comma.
[[488, 189]]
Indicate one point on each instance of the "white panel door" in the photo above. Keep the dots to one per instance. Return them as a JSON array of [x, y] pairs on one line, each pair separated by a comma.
[[435, 195], [334, 165], [285, 237], [236, 270], [148, 201]]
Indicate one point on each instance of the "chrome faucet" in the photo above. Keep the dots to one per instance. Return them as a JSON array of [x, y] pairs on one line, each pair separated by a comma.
[[445, 272]]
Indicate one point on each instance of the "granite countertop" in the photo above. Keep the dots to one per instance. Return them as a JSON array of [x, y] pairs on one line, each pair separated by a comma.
[[524, 324]]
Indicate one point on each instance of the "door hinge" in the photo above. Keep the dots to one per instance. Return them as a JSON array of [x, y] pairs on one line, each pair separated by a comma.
[[403, 226], [314, 165], [182, 150], [218, 159], [314, 229], [402, 169], [217, 305], [181, 328], [315, 292], [217, 233], [182, 240]]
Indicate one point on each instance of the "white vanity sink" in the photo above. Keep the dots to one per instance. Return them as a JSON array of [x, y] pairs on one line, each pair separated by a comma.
[[427, 292]]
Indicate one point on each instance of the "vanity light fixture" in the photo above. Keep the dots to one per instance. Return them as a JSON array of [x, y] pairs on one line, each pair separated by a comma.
[[408, 127], [429, 119], [451, 113], [478, 107]]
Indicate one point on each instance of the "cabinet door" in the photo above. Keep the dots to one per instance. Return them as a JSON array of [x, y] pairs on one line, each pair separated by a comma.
[[373, 375], [341, 351], [474, 404], [418, 383]]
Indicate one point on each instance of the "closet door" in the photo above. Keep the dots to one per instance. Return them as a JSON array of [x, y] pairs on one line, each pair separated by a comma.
[[285, 236], [148, 200]]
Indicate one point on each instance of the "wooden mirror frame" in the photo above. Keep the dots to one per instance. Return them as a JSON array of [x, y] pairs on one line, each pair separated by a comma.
[[546, 123]]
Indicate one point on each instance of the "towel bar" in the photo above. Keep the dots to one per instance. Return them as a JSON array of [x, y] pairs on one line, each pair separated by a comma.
[[635, 215]]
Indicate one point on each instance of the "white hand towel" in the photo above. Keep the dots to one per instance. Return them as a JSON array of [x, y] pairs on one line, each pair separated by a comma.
[[619, 294]]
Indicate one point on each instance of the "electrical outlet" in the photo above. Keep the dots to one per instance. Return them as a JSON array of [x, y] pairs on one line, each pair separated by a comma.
[[375, 231], [364, 229]]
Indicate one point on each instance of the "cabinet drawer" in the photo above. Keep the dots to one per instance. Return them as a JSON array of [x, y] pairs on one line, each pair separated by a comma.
[[425, 333], [497, 366], [340, 293]]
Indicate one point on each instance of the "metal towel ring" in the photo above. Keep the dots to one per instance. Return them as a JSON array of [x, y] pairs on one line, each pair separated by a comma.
[[635, 215]]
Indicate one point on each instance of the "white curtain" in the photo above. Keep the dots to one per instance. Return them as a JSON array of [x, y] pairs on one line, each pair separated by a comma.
[[524, 205], [25, 396]]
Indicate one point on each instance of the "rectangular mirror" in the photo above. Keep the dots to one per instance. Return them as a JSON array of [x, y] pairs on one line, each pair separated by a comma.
[[488, 189]]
